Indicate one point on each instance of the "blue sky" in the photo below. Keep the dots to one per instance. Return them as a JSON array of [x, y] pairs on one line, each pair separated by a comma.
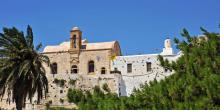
[[139, 25]]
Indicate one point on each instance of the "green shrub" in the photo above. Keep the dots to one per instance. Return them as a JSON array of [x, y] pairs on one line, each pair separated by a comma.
[[59, 108], [75, 95], [60, 82], [72, 82], [105, 87]]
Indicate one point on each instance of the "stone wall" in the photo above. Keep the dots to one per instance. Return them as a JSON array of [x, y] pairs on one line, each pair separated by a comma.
[[63, 62], [84, 81], [101, 59]]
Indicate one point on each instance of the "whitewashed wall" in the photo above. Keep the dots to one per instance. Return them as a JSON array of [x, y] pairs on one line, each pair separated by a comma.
[[139, 74]]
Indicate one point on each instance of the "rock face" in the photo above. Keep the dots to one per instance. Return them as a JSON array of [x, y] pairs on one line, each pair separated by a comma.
[[83, 65]]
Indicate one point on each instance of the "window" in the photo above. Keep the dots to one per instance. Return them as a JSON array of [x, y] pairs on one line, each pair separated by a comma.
[[115, 71], [167, 70], [129, 68], [74, 69], [54, 68], [83, 47], [103, 70], [74, 41], [91, 67], [149, 66]]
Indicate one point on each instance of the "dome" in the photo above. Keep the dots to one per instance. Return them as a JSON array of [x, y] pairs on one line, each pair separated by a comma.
[[75, 29]]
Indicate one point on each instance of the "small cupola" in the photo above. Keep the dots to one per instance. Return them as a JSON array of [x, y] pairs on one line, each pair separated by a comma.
[[75, 29]]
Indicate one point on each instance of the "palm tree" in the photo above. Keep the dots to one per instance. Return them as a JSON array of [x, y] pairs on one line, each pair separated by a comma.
[[22, 74]]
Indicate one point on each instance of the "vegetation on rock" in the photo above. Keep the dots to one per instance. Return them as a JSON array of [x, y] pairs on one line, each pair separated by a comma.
[[72, 82], [105, 87], [60, 82]]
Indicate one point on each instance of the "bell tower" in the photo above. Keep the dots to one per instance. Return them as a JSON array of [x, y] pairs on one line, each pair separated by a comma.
[[75, 40], [75, 45]]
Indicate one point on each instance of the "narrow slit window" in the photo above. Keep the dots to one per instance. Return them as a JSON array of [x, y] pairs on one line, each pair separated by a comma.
[[74, 41], [54, 68], [91, 67], [149, 66], [129, 68]]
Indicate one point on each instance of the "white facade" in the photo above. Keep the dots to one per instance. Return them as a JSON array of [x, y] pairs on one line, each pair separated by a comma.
[[143, 68], [139, 74]]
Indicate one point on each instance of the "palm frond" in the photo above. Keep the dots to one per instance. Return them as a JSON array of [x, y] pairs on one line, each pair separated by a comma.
[[22, 74]]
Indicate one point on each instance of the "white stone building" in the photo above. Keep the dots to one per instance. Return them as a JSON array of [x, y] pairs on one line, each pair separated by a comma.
[[140, 69], [137, 70]]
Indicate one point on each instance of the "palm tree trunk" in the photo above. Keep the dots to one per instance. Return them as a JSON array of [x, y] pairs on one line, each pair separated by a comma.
[[19, 102]]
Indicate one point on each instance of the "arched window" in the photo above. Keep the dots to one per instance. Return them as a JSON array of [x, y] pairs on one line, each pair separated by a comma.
[[91, 66], [74, 69], [54, 68], [103, 70], [74, 41]]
